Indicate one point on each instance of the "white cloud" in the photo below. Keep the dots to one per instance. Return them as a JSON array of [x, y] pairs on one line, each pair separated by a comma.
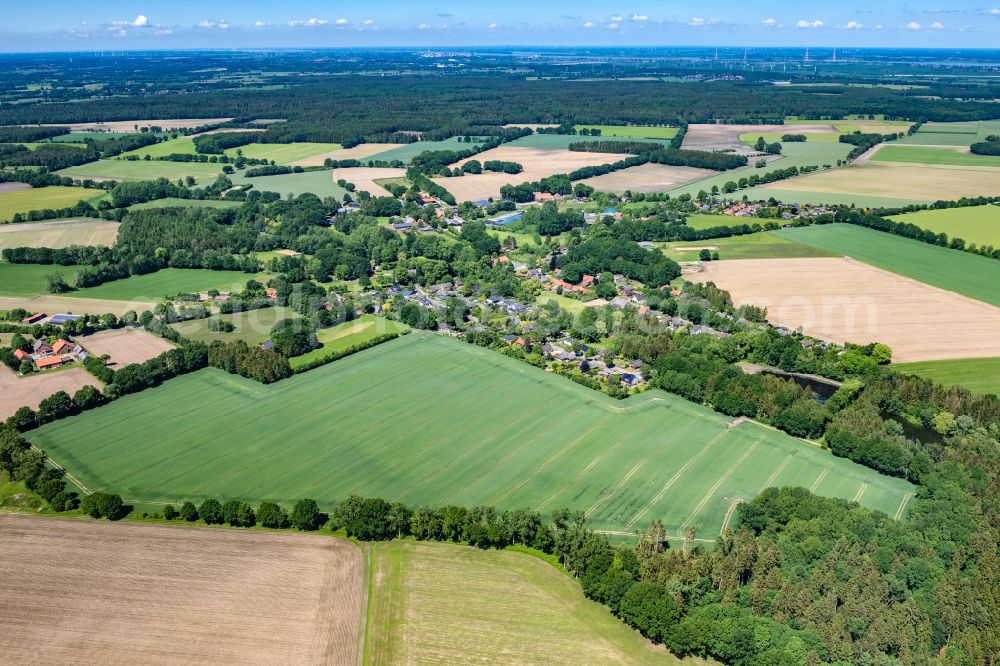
[[121, 32], [853, 25], [588, 24], [423, 26], [342, 21], [638, 17], [995, 12], [697, 21], [913, 25], [492, 26], [308, 23], [140, 21], [368, 22], [224, 24], [937, 25], [616, 19], [612, 26], [769, 22], [206, 24], [809, 24], [260, 24], [163, 32]]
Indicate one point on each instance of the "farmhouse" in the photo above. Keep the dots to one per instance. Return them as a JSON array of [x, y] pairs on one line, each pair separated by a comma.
[[33, 319], [60, 319], [49, 362]]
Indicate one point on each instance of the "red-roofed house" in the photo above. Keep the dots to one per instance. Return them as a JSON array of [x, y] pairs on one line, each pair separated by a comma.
[[20, 354], [271, 293], [49, 362], [61, 346], [34, 319], [587, 280], [502, 259]]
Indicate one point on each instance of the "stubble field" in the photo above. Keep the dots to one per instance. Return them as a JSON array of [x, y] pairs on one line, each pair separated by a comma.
[[647, 178], [101, 593], [59, 233], [843, 300], [428, 420], [125, 346], [17, 392]]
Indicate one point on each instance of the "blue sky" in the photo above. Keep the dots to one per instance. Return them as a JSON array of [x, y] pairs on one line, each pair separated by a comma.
[[146, 24]]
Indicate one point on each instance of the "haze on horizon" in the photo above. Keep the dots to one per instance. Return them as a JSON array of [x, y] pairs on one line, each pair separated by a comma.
[[62, 25]]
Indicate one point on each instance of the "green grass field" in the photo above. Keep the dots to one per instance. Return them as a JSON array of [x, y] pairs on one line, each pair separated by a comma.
[[793, 154], [630, 132], [29, 279], [40, 198], [166, 282], [763, 245], [284, 153], [182, 145], [411, 150], [80, 137], [426, 419], [253, 327], [953, 134], [319, 183], [449, 604], [937, 156], [974, 224], [968, 274], [344, 336], [171, 202], [979, 375], [143, 170], [701, 221]]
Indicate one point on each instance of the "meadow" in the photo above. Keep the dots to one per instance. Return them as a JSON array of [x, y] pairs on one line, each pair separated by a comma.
[[40, 198], [967, 274], [953, 134], [562, 141], [793, 154], [945, 156], [762, 245], [430, 420], [979, 375], [203, 172], [320, 183], [29, 279], [450, 604], [348, 334], [284, 153], [630, 131], [182, 145], [973, 224], [171, 202], [165, 282], [253, 327], [408, 151]]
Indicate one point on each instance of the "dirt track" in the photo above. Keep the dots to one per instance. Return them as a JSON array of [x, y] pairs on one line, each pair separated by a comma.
[[89, 592], [843, 300]]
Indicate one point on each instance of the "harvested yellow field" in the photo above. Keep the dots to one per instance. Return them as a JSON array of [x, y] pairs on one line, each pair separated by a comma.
[[843, 300], [88, 592], [358, 152], [538, 163], [59, 234], [52, 304], [364, 178], [17, 392], [647, 178], [920, 182], [125, 346]]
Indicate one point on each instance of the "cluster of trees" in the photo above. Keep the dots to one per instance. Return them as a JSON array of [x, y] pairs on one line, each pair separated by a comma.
[[793, 138], [908, 230], [21, 463], [305, 514], [248, 361], [763, 146], [991, 146], [616, 146], [863, 142], [28, 134], [602, 252]]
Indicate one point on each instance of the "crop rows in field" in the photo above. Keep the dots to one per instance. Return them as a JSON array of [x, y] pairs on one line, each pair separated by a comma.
[[429, 420]]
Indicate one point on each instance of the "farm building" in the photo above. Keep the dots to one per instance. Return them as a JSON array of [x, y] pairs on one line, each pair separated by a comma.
[[60, 319]]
